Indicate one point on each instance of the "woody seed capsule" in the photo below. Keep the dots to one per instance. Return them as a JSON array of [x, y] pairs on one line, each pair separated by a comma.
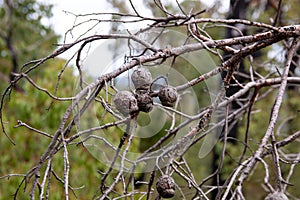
[[145, 102], [168, 96], [165, 186], [125, 103], [141, 78]]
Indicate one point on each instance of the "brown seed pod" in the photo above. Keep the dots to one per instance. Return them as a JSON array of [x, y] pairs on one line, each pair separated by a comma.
[[125, 103], [165, 186], [141, 78], [145, 102], [168, 95], [276, 196]]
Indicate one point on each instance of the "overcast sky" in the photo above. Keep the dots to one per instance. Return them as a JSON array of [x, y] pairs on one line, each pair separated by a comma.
[[62, 22]]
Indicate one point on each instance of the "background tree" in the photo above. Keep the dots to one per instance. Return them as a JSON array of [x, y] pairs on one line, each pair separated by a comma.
[[24, 37], [18, 19], [170, 42]]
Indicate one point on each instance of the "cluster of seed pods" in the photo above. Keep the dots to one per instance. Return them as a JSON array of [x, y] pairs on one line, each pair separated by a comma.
[[128, 103]]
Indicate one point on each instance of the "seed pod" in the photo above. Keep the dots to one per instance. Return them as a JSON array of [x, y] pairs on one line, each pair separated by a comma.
[[145, 102], [168, 95], [125, 103], [276, 196], [165, 186], [141, 78]]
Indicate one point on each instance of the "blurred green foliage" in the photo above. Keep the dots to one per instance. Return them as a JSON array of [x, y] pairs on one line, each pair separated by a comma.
[[31, 38], [37, 110]]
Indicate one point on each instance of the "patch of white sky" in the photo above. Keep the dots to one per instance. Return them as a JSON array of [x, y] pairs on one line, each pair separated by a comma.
[[64, 19]]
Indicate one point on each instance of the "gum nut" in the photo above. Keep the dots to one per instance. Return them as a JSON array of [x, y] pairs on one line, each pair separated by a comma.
[[145, 102], [141, 78], [165, 186], [125, 103], [168, 95], [276, 196]]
